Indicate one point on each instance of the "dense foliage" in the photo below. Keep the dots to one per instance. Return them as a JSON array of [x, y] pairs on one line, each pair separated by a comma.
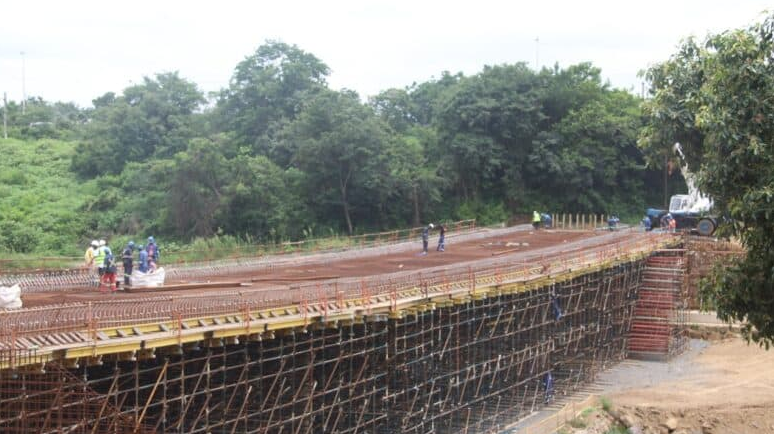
[[716, 98], [279, 155]]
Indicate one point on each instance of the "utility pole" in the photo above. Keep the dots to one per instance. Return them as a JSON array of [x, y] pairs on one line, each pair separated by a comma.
[[24, 86], [537, 52], [5, 115]]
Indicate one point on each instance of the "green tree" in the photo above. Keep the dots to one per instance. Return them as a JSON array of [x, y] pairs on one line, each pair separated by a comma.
[[486, 126], [266, 91], [591, 156], [717, 99], [414, 179], [260, 203], [335, 141], [155, 118], [197, 189]]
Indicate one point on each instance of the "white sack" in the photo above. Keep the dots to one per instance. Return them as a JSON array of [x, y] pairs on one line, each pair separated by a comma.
[[140, 279], [10, 297]]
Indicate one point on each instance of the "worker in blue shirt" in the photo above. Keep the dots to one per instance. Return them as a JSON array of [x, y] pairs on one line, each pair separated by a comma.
[[646, 223], [547, 221], [143, 258]]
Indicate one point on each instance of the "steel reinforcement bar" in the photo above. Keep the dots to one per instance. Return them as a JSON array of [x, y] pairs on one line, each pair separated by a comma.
[[92, 324], [77, 278], [469, 356]]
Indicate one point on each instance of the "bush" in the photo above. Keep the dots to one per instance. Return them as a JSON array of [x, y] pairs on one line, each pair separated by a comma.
[[18, 238], [484, 213]]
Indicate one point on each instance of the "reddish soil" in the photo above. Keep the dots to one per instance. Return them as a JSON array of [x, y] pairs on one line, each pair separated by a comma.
[[279, 277]]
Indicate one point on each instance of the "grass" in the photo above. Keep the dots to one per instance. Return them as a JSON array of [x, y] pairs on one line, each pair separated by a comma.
[[586, 412], [40, 199], [577, 422], [607, 405], [617, 429]]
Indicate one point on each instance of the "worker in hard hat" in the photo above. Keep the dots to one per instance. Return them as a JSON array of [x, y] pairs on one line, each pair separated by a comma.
[[153, 253], [536, 220], [88, 257], [99, 257], [425, 237], [143, 257], [547, 221], [127, 257], [109, 270]]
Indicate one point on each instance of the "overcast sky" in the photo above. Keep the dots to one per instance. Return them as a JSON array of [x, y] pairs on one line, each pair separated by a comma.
[[78, 50]]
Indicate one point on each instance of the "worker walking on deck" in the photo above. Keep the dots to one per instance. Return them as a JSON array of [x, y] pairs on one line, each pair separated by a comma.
[[127, 257], [536, 220], [441, 238], [425, 237]]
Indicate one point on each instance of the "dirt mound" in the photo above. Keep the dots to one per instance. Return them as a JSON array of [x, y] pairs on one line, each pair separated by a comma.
[[726, 386], [712, 334], [729, 419]]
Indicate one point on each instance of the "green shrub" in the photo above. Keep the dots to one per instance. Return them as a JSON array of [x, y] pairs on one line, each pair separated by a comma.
[[606, 403]]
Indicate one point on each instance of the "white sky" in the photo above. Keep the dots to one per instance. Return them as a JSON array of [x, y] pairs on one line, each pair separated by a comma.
[[77, 50]]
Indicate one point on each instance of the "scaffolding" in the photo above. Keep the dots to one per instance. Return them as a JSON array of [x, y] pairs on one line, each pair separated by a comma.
[[453, 361], [659, 325]]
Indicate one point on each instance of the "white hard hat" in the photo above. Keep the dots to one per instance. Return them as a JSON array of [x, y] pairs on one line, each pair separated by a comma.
[[102, 242], [431, 226], [94, 243]]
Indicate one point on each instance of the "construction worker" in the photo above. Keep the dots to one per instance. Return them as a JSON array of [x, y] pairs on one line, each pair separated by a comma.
[[546, 220], [153, 253], [646, 223], [99, 257], [143, 257], [672, 224], [548, 382], [127, 259], [425, 237], [665, 222], [441, 238], [612, 222], [109, 270], [88, 257], [535, 220]]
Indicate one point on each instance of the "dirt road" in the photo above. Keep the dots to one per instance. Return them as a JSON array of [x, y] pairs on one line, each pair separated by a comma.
[[720, 387]]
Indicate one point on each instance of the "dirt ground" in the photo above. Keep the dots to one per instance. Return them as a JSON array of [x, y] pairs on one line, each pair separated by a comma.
[[724, 386], [282, 276]]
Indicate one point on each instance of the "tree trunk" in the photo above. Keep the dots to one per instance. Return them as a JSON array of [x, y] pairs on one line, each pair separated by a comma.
[[343, 181], [346, 216], [345, 206], [415, 198]]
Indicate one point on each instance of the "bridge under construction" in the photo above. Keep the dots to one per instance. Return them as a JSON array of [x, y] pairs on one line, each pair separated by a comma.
[[370, 340]]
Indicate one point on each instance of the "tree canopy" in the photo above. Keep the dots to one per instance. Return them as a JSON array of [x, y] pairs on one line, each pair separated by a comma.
[[278, 154], [716, 98]]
